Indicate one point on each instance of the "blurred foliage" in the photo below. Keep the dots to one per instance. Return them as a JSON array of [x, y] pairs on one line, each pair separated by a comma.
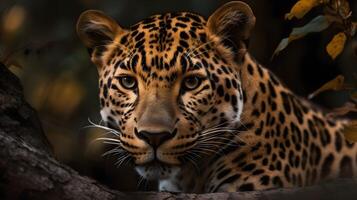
[[336, 13], [38, 41], [13, 19], [350, 132], [302, 7], [339, 84], [336, 84], [335, 47]]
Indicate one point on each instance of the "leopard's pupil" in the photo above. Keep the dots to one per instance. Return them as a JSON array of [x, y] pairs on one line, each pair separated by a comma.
[[128, 82], [191, 82]]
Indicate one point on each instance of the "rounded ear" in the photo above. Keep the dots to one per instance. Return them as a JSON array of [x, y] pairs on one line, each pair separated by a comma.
[[95, 29], [233, 22]]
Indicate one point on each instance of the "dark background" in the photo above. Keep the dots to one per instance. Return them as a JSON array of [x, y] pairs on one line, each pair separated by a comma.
[[38, 40]]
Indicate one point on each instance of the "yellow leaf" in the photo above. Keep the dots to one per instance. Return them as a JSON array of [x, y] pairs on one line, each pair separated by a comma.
[[335, 84], [337, 44], [301, 8], [14, 18], [350, 131]]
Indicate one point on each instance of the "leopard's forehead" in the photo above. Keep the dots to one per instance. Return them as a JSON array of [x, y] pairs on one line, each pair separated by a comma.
[[161, 26], [162, 46]]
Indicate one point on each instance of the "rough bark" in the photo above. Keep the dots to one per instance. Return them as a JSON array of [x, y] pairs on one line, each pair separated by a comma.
[[28, 169]]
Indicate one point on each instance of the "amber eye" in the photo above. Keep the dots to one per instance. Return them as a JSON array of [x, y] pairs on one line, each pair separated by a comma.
[[192, 82], [128, 82]]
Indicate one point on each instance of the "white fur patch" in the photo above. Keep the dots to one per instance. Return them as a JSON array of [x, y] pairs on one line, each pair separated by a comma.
[[156, 172], [239, 105], [168, 186], [104, 113]]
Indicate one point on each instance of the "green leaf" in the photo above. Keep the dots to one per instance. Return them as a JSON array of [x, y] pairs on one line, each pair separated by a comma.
[[282, 45], [317, 24]]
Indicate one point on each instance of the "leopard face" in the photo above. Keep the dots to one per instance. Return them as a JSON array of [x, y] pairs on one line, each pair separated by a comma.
[[170, 84]]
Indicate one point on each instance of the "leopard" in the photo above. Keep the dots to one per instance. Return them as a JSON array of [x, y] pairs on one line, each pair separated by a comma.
[[194, 111]]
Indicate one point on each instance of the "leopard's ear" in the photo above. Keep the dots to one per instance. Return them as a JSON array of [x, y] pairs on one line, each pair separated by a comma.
[[233, 22], [95, 29]]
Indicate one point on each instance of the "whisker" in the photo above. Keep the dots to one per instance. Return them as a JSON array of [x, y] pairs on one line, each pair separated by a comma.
[[93, 125], [113, 143], [190, 51], [114, 152], [201, 151], [121, 160], [204, 149], [142, 183], [222, 130], [107, 139], [192, 161], [231, 132]]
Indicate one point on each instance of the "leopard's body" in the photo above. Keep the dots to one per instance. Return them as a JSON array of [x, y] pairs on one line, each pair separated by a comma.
[[236, 129]]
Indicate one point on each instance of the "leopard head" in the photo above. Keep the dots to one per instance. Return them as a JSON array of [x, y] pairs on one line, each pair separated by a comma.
[[170, 84]]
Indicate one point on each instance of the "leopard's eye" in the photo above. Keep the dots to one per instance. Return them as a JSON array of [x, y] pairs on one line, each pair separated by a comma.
[[128, 82], [192, 82]]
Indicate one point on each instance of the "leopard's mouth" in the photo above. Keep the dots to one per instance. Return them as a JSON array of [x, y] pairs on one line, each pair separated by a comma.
[[157, 170], [155, 163]]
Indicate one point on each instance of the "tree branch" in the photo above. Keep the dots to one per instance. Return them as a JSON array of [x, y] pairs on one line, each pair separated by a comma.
[[28, 169]]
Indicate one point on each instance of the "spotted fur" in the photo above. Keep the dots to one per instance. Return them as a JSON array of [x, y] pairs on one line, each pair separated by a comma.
[[240, 129]]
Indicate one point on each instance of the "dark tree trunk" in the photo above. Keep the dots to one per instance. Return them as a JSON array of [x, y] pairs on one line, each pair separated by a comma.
[[28, 169]]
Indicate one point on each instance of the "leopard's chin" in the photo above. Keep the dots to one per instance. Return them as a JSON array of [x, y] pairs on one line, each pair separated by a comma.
[[157, 170]]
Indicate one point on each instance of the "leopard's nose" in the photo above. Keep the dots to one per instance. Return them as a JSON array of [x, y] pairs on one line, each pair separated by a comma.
[[155, 139]]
